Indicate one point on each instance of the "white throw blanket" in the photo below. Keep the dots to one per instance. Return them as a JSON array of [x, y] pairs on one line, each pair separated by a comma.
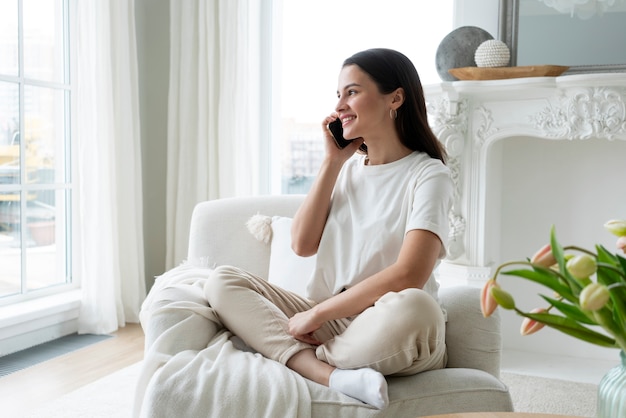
[[193, 367]]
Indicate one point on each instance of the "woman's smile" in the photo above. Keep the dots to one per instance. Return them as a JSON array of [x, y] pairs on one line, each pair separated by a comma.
[[347, 120]]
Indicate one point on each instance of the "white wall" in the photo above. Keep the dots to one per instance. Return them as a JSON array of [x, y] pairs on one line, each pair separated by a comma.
[[579, 176], [481, 13], [152, 20]]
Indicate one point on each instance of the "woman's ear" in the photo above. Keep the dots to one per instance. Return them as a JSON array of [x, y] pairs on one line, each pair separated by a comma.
[[397, 98]]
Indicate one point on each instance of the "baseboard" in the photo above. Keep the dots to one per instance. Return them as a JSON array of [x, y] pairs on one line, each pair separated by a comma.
[[24, 325], [553, 366]]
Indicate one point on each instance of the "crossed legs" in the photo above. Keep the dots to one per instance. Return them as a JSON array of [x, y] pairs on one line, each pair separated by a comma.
[[350, 359]]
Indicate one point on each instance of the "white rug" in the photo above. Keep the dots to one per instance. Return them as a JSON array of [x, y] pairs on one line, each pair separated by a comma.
[[112, 397], [551, 396]]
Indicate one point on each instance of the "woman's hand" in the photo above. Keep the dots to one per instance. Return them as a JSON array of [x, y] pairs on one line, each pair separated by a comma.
[[302, 326], [332, 150]]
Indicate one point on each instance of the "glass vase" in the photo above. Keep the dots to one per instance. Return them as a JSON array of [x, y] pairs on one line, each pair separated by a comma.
[[612, 392]]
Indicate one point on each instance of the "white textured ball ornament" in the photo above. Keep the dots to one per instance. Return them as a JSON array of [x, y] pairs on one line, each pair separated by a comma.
[[492, 53]]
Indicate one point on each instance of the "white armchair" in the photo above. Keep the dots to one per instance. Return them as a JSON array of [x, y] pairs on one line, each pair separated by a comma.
[[469, 383]]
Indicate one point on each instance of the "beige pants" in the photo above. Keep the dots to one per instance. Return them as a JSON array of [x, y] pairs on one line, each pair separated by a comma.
[[402, 334]]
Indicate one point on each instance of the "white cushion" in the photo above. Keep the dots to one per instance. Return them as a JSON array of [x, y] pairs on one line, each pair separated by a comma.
[[287, 269]]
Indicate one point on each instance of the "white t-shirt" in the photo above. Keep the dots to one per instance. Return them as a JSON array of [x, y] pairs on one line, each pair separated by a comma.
[[372, 209]]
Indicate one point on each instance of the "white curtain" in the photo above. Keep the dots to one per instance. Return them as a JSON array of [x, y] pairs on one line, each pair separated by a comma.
[[109, 234], [213, 113]]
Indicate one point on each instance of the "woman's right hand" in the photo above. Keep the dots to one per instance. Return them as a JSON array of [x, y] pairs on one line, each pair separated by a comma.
[[302, 325], [332, 149]]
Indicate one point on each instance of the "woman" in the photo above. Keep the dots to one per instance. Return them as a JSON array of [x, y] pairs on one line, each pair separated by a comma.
[[377, 221]]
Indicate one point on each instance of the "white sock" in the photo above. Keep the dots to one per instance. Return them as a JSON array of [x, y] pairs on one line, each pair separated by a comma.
[[366, 385]]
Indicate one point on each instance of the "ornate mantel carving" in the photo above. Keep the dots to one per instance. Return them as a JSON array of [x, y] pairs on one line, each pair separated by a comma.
[[582, 113], [469, 116]]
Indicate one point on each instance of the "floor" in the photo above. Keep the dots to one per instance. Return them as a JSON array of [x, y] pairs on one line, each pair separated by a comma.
[[30, 388]]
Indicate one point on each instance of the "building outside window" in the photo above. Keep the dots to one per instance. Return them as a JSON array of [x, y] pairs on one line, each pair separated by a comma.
[[36, 187]]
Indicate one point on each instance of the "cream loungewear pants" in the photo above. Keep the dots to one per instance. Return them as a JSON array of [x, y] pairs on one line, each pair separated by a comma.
[[402, 334]]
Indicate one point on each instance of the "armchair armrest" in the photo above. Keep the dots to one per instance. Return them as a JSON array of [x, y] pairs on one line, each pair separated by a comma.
[[472, 340]]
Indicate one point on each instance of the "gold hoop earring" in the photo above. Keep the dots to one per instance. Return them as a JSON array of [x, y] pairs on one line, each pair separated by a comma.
[[393, 114]]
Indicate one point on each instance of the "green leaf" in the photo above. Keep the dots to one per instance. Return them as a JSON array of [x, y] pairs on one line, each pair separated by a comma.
[[571, 327], [611, 270], [605, 255], [571, 311], [605, 319], [545, 277], [559, 255], [608, 274], [557, 249], [622, 262], [618, 297], [618, 314]]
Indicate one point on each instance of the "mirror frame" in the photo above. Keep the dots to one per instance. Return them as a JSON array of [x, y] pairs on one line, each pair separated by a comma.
[[508, 27]]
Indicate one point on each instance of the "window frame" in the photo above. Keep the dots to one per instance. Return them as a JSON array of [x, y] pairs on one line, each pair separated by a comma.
[[63, 187]]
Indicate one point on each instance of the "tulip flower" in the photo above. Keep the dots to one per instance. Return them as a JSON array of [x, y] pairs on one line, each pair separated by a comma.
[[487, 303], [587, 290], [530, 326], [544, 257], [616, 227], [582, 266], [504, 298], [594, 296]]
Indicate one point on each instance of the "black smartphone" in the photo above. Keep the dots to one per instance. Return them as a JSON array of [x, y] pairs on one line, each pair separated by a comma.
[[337, 130]]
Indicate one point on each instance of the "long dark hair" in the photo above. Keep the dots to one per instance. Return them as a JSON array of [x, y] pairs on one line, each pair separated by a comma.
[[391, 69]]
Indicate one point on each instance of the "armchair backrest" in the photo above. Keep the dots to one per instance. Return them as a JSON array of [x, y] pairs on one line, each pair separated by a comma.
[[219, 236]]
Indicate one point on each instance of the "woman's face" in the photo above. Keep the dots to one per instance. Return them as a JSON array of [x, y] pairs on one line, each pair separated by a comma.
[[363, 110]]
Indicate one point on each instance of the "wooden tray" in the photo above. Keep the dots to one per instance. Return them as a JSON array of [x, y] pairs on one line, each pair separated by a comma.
[[501, 73]]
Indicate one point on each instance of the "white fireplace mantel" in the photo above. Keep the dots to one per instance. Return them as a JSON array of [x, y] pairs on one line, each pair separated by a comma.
[[470, 116]]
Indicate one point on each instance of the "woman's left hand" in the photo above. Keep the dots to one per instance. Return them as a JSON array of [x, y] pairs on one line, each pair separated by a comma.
[[302, 326]]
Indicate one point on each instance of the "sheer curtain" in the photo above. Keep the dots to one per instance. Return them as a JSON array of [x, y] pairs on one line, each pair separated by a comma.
[[109, 234], [213, 122]]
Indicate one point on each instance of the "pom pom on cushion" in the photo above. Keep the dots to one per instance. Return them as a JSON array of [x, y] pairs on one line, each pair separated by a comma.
[[260, 226], [287, 269]]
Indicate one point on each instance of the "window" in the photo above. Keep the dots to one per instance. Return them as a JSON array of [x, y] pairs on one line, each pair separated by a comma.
[[311, 40], [35, 177]]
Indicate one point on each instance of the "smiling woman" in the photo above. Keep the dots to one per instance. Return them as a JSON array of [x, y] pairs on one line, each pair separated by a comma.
[[311, 40]]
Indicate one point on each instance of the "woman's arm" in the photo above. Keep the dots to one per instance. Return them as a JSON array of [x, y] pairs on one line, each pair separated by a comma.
[[418, 255], [310, 219]]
